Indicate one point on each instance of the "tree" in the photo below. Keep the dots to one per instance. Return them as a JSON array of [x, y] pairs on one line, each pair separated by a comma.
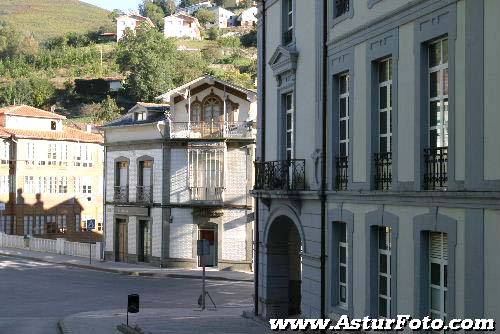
[[205, 16], [34, 91], [10, 41], [149, 60], [107, 111], [213, 33]]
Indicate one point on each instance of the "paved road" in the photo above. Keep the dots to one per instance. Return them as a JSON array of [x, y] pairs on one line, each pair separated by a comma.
[[35, 295]]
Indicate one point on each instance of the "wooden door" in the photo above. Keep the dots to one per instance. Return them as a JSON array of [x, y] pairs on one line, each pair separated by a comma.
[[121, 241]]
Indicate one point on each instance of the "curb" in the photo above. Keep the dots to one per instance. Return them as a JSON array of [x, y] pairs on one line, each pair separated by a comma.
[[127, 272]]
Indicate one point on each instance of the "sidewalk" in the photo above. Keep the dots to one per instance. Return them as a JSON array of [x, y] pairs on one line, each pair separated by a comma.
[[165, 321], [126, 268]]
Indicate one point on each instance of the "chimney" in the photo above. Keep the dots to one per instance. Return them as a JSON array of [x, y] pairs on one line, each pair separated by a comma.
[[88, 128]]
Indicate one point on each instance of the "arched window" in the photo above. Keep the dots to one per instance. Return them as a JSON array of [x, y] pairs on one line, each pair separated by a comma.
[[212, 109], [196, 112]]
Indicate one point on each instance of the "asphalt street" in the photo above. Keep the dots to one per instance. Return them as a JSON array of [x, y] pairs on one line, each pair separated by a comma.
[[35, 295]]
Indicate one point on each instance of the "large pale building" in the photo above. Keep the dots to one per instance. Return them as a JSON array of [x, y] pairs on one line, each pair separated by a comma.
[[50, 174], [181, 172], [378, 173]]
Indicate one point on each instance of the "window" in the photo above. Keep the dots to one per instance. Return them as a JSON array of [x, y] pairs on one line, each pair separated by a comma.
[[61, 223], [30, 156], [212, 109], [341, 7], [86, 185], [384, 271], [63, 185], [385, 105], [52, 154], [343, 115], [343, 255], [196, 112], [438, 93], [29, 184], [4, 152], [7, 224], [206, 173], [28, 225], [288, 22], [289, 125], [438, 274], [78, 223], [51, 224], [53, 125], [5, 184], [121, 174], [141, 116], [39, 227]]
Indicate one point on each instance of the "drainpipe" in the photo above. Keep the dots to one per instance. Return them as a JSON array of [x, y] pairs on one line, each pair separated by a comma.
[[262, 120], [323, 158]]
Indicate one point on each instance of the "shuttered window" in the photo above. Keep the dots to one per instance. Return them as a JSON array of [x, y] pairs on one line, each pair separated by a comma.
[[438, 274]]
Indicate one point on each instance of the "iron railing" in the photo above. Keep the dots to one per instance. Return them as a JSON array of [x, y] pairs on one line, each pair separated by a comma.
[[341, 178], [280, 175], [436, 168], [383, 171], [121, 194], [144, 194], [209, 194], [207, 130]]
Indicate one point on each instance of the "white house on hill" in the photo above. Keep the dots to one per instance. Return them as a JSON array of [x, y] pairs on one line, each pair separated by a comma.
[[181, 25], [130, 21]]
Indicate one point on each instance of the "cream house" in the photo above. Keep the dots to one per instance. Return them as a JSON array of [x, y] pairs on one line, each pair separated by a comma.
[[182, 25], [130, 22], [378, 173], [182, 173]]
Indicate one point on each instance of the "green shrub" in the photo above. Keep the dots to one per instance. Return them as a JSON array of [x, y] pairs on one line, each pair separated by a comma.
[[213, 33], [229, 42]]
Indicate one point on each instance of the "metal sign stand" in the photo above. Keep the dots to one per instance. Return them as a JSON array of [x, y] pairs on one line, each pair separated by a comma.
[[203, 249], [90, 227]]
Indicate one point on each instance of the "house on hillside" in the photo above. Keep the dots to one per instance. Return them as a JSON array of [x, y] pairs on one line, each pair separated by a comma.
[[182, 25], [224, 17], [130, 21], [195, 7], [98, 86], [51, 175], [182, 172], [247, 18]]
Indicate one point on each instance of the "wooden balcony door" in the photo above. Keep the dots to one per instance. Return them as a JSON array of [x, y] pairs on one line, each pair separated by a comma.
[[121, 240]]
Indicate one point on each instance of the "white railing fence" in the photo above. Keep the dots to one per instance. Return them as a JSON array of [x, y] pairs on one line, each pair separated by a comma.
[[58, 246]]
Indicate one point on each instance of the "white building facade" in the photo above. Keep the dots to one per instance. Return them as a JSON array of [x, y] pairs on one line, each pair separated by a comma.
[[181, 25], [130, 22], [377, 179], [200, 157]]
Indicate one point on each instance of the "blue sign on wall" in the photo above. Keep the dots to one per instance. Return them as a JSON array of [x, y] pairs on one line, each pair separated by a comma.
[[90, 224]]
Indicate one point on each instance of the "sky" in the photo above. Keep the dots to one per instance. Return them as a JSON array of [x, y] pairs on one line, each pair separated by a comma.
[[124, 5]]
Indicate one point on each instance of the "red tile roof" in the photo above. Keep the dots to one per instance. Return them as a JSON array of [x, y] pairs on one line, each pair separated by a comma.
[[68, 133], [28, 111]]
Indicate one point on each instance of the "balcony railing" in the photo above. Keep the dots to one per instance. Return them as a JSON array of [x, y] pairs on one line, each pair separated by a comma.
[[280, 175], [341, 178], [383, 171], [121, 194], [436, 168], [206, 194], [207, 130], [144, 194]]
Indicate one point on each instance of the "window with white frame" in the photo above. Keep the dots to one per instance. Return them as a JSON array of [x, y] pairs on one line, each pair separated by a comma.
[[51, 223], [86, 185], [343, 265], [206, 173], [63, 185], [52, 154], [39, 227], [289, 126], [438, 274], [385, 105], [438, 93], [7, 224], [343, 115], [61, 223], [5, 183], [30, 154], [384, 271], [78, 223], [289, 16], [28, 225]]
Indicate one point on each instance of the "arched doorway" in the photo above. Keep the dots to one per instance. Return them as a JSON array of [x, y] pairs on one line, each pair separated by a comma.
[[284, 269]]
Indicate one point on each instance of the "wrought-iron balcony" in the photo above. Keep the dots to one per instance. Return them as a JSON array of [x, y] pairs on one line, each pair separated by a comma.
[[341, 178], [206, 194], [144, 194], [211, 130], [436, 168], [121, 194], [383, 171], [280, 175]]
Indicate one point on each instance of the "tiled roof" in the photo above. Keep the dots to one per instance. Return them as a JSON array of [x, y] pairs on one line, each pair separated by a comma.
[[68, 133], [28, 111]]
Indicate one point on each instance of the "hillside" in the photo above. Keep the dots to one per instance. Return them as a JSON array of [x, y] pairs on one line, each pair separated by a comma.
[[44, 19]]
